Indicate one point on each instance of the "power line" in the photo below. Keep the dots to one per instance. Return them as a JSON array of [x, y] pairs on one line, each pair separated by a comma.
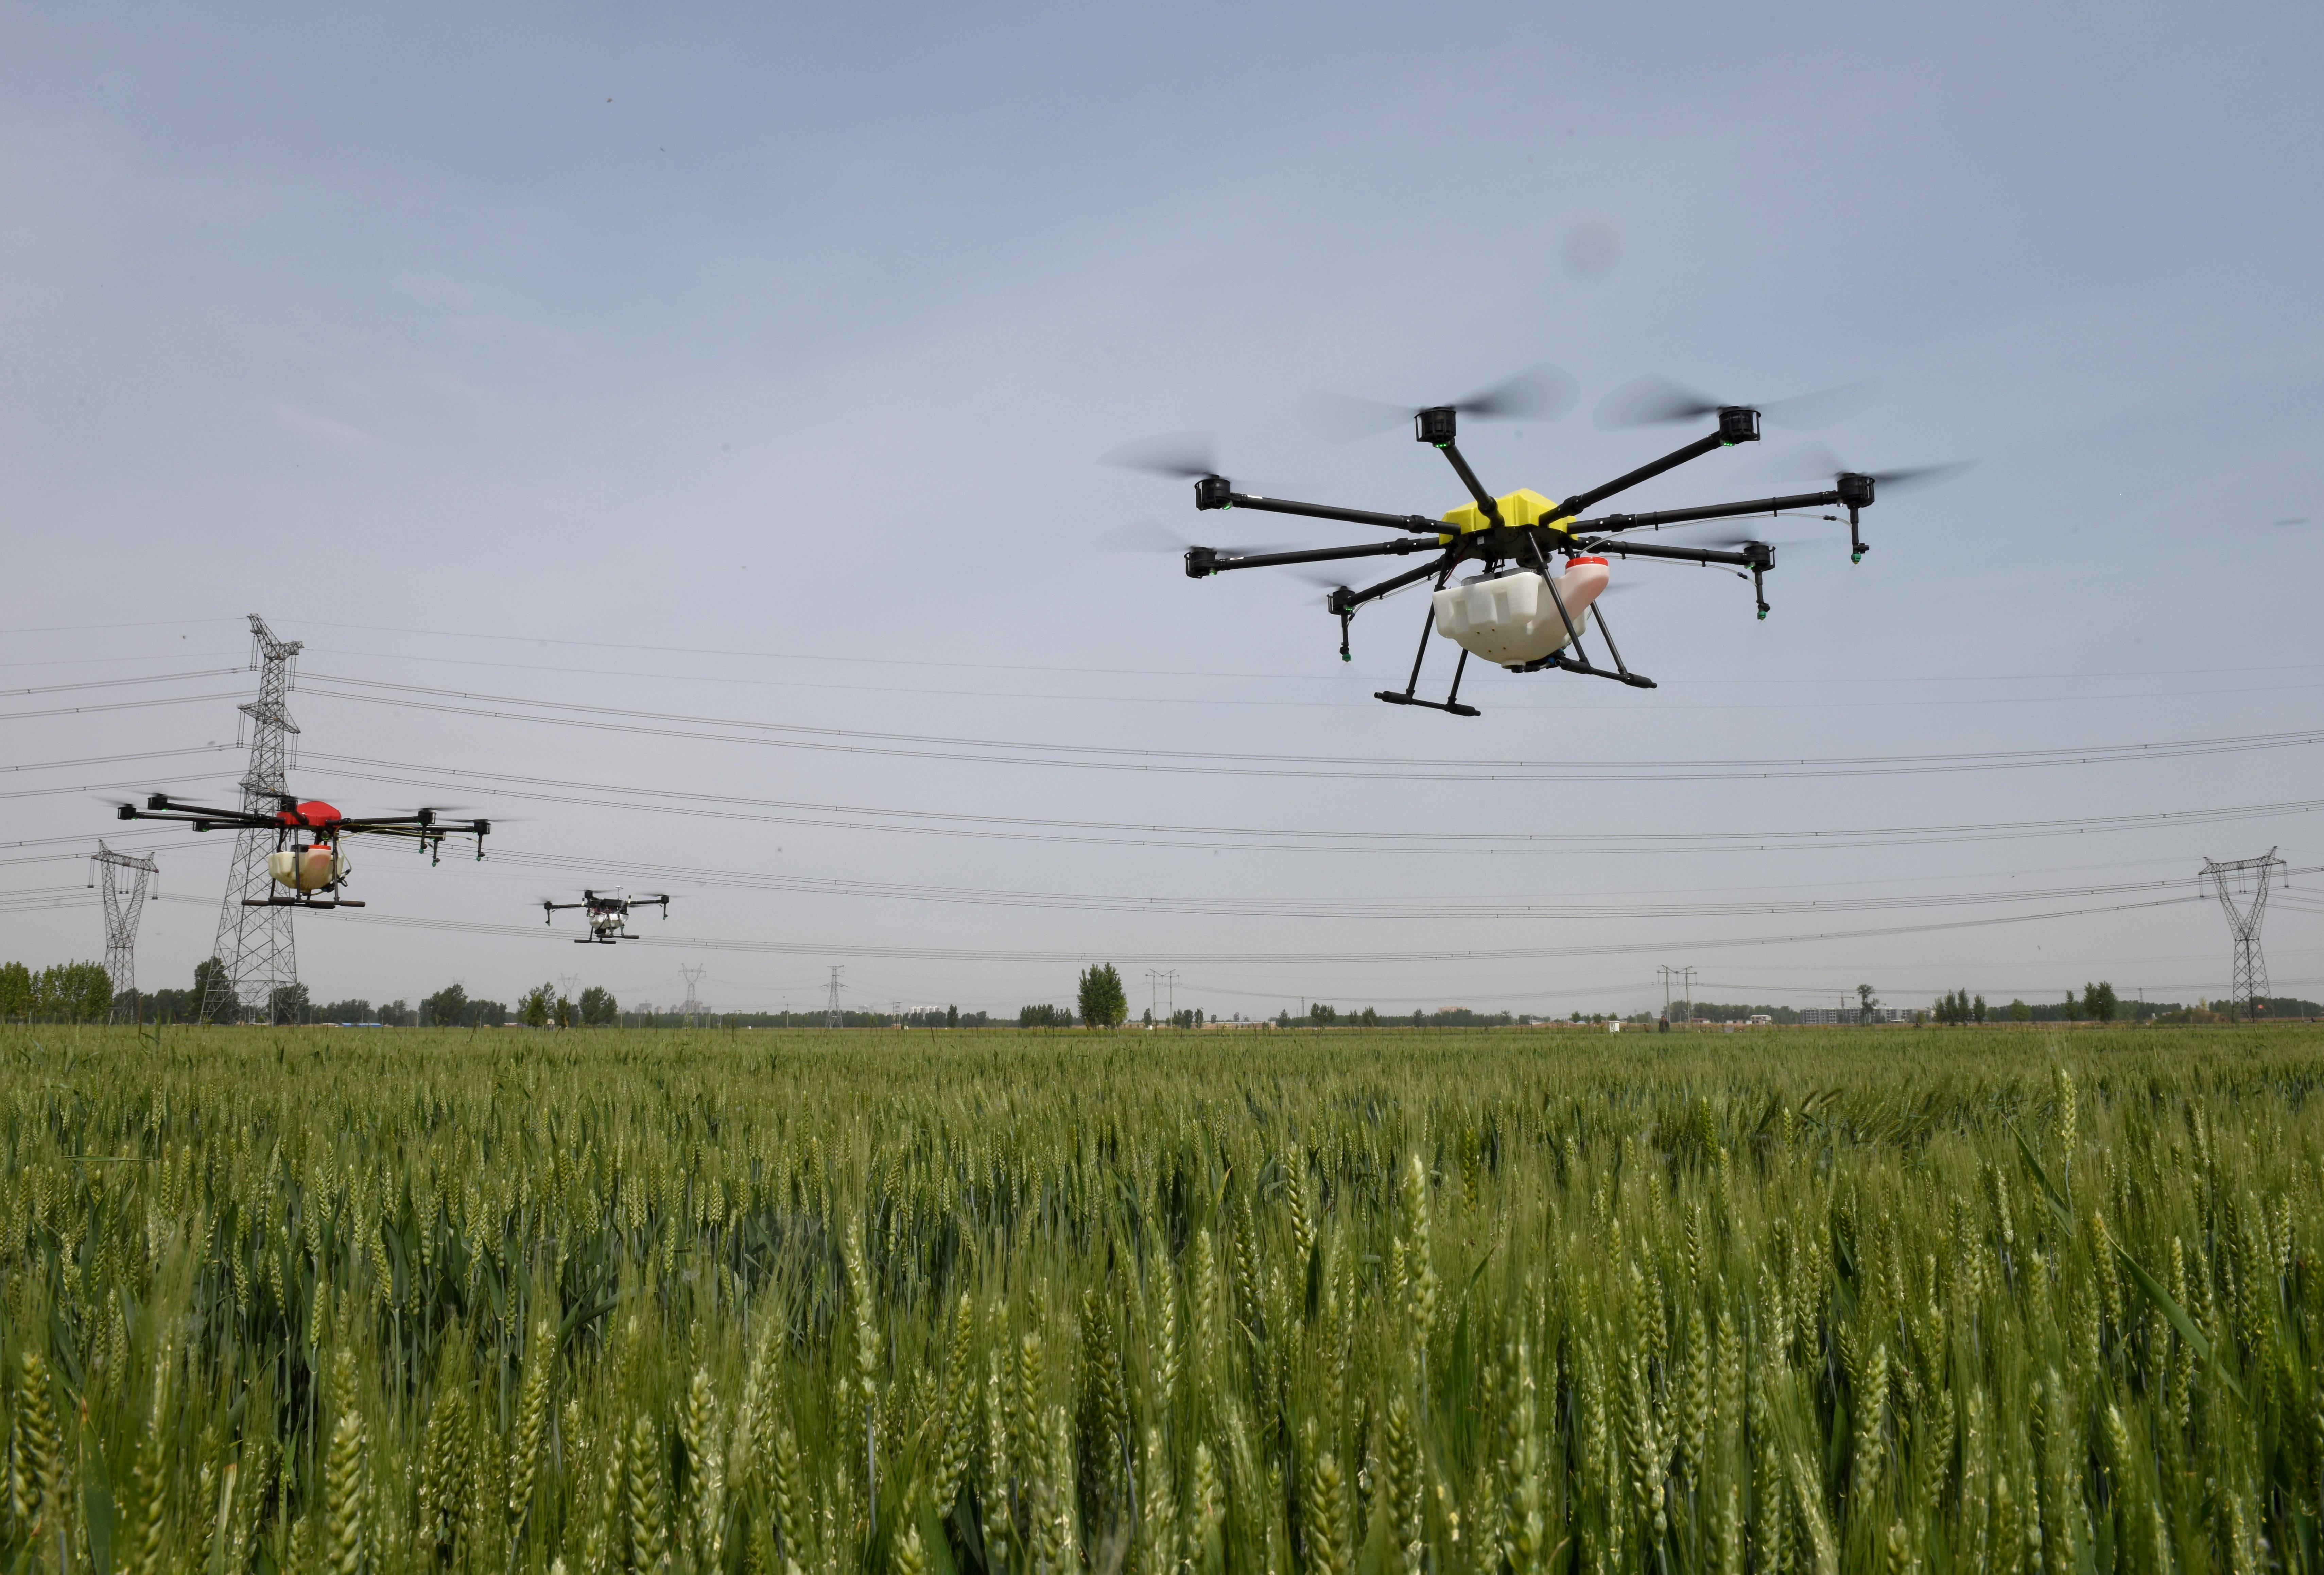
[[1083, 757], [1415, 954], [116, 682], [115, 759], [1556, 906], [183, 700], [1211, 698], [951, 663], [1019, 827]]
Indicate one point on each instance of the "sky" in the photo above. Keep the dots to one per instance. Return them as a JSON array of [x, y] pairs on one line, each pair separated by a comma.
[[744, 376]]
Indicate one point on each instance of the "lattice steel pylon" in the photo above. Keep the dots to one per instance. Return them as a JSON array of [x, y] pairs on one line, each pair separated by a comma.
[[2241, 887], [255, 949], [830, 1013], [127, 880], [692, 1006]]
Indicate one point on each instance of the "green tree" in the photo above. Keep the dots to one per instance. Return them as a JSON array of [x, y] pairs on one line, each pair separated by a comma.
[[1103, 1002], [16, 991], [446, 1008], [2019, 1012], [951, 1016], [2099, 1002], [72, 992], [1866, 1003], [598, 1007], [539, 1003], [289, 1004], [1977, 1010], [211, 975]]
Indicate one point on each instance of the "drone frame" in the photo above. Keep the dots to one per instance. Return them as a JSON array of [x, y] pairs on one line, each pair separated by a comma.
[[1560, 529], [422, 826], [595, 904]]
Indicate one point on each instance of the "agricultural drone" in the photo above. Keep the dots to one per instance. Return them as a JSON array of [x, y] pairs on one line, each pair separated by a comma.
[[609, 916], [1516, 611], [307, 859]]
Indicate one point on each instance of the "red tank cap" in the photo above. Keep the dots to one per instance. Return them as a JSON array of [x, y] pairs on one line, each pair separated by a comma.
[[1573, 562]]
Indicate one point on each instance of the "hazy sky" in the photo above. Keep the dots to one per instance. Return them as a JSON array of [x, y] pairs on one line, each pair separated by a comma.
[[754, 364]]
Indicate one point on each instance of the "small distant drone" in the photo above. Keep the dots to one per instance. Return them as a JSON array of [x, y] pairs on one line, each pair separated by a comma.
[[609, 916], [1516, 611], [307, 857]]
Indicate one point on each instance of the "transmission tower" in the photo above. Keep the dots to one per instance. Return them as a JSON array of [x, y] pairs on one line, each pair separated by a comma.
[[692, 1007], [254, 948], [127, 881], [2241, 887], [830, 1013]]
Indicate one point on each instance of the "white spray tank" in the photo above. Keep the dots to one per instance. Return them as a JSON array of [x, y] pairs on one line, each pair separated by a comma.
[[1510, 618]]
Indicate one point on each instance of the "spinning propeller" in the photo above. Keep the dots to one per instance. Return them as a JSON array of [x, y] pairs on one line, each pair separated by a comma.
[[1541, 392], [1657, 400]]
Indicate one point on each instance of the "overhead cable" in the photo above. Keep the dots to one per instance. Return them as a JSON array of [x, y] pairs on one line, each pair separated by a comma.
[[1085, 757]]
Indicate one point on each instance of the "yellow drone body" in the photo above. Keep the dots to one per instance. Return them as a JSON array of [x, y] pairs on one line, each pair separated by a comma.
[[1523, 508]]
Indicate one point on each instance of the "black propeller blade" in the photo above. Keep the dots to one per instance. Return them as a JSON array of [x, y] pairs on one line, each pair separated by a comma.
[[1654, 401], [1821, 462], [1541, 392], [1146, 536], [1186, 456]]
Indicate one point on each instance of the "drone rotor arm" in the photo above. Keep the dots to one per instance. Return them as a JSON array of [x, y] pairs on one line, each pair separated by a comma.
[[160, 807], [1746, 559], [1348, 601], [1207, 560], [1487, 503], [1419, 525], [1737, 424], [1610, 524]]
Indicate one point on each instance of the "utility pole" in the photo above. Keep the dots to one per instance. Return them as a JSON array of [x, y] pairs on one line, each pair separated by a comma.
[[1687, 973], [830, 1013], [693, 1006], [2241, 887], [254, 944], [122, 911], [1162, 983]]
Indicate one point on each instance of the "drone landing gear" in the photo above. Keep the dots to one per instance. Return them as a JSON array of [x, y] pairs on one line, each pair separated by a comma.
[[1451, 703], [1580, 661], [300, 903]]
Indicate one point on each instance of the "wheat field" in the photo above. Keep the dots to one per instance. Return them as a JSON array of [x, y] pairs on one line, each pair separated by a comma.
[[1346, 1302]]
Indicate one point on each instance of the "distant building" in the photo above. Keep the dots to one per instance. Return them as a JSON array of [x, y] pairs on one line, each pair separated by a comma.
[[1829, 1015]]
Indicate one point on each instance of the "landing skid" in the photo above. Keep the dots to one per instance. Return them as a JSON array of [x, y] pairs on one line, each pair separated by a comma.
[[1455, 707], [1584, 667], [299, 903]]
